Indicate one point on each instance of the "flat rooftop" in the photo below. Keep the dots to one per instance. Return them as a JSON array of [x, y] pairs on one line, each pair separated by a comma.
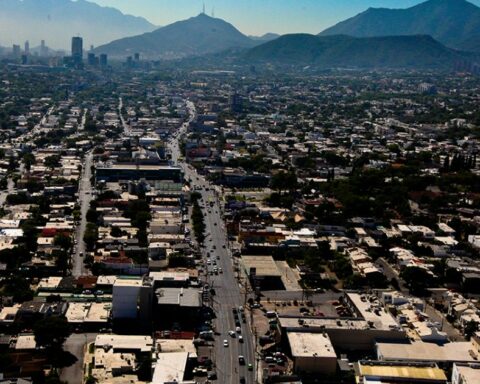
[[429, 352], [304, 344], [140, 167], [184, 297], [125, 342], [370, 308], [469, 373], [170, 367], [383, 371], [265, 265], [170, 276], [324, 322], [123, 282]]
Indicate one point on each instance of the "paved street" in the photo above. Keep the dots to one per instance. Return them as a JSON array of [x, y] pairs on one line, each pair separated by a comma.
[[228, 291], [84, 198], [126, 127], [75, 344], [391, 273]]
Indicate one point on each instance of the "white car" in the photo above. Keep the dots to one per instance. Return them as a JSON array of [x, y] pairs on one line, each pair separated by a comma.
[[225, 343], [232, 333], [238, 329]]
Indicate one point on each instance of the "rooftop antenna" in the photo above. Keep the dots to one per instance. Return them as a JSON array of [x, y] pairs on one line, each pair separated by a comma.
[[213, 12], [203, 8]]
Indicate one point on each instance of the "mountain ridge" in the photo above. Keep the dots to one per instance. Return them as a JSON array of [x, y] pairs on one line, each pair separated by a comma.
[[416, 52], [197, 35], [451, 22]]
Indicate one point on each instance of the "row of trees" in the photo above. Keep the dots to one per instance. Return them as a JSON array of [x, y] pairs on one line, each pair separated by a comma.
[[198, 220]]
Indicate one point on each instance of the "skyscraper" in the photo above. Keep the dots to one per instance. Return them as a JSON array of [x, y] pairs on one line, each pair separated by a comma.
[[16, 50], [27, 48], [43, 49], [77, 50], [103, 60]]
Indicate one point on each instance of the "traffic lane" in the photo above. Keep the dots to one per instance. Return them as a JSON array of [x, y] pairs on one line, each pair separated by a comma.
[[228, 296], [231, 292]]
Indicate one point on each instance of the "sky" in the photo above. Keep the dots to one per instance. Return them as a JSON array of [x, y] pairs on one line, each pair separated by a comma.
[[256, 17]]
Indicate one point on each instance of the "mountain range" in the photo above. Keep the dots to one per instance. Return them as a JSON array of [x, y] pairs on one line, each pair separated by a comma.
[[455, 23], [56, 21], [418, 51], [266, 37], [196, 36]]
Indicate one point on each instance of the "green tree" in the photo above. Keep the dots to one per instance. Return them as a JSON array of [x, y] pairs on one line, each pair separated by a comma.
[[63, 241], [417, 279], [28, 160], [91, 236], [52, 161], [51, 332]]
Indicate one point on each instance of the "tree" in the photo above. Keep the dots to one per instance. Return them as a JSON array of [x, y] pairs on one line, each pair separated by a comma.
[[51, 332], [417, 279], [28, 160], [116, 232], [62, 241], [470, 328], [91, 235], [17, 287], [52, 161]]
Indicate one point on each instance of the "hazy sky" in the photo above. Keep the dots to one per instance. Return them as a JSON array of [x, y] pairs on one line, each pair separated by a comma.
[[258, 16]]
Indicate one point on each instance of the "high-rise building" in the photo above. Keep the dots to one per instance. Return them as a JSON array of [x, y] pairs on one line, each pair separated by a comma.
[[137, 56], [16, 50], [43, 49], [77, 50], [27, 48], [103, 60], [92, 60]]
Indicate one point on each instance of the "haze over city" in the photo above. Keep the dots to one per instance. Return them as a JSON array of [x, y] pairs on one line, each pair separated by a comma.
[[239, 192]]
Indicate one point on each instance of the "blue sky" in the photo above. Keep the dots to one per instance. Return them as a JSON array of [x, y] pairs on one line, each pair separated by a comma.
[[258, 16]]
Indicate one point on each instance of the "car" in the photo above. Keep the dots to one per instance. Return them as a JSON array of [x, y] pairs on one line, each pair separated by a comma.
[[209, 261], [238, 329], [250, 366], [241, 360], [225, 343], [242, 380], [240, 339], [232, 333], [212, 376], [220, 270]]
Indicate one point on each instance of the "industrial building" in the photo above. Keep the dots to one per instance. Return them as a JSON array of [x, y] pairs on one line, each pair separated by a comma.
[[177, 306], [369, 372], [132, 300], [262, 272], [465, 373], [312, 352], [117, 172]]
